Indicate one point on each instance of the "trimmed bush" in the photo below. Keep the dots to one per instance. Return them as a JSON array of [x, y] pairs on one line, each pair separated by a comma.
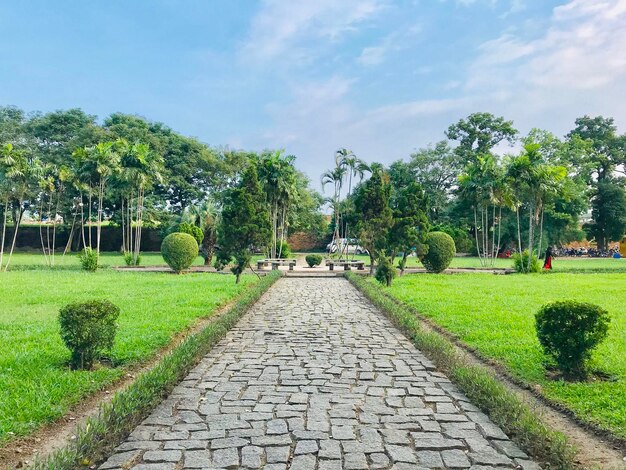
[[129, 259], [441, 250], [385, 271], [195, 232], [520, 263], [88, 259], [569, 331], [88, 329], [313, 260], [179, 250], [282, 250]]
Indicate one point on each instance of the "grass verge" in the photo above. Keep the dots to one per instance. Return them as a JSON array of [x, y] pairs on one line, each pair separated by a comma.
[[129, 407], [502, 406]]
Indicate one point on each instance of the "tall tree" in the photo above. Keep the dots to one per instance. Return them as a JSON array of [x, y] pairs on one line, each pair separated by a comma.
[[604, 154], [375, 217], [436, 169], [479, 133], [410, 222], [245, 222]]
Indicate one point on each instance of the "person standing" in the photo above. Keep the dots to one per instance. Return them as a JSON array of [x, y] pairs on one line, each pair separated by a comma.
[[547, 263]]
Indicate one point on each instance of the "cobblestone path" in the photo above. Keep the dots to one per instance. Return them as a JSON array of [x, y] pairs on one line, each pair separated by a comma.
[[315, 377]]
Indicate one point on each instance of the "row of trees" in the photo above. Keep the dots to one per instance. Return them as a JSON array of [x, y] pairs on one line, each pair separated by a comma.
[[489, 199], [65, 169]]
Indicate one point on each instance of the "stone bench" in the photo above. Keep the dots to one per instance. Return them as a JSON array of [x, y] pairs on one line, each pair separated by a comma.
[[347, 264], [276, 263]]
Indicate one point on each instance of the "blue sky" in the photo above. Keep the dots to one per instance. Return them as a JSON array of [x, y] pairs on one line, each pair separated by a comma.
[[380, 77]]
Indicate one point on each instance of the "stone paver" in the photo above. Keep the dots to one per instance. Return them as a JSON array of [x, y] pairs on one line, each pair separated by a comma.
[[315, 377]]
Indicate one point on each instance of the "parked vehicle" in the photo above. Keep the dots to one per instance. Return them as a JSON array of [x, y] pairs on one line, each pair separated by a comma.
[[343, 245]]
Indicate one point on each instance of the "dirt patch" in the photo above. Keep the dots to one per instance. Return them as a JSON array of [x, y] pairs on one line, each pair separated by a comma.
[[19, 452]]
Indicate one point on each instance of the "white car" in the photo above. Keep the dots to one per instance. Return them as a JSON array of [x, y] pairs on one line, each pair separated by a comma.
[[342, 245]]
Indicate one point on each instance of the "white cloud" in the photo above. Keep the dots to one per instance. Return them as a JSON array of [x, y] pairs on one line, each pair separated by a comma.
[[372, 55], [284, 27]]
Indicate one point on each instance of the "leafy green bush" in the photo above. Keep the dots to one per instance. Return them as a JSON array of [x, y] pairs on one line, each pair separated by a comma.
[[313, 260], [129, 259], [195, 232], [88, 259], [179, 250], [520, 263], [462, 240], [282, 250], [441, 250], [88, 329], [569, 331], [385, 271]]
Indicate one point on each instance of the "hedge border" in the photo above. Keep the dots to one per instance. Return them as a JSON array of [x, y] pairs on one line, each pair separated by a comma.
[[504, 407], [115, 420]]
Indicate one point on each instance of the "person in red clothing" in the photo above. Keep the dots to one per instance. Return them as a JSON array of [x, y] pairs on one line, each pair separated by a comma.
[[547, 264]]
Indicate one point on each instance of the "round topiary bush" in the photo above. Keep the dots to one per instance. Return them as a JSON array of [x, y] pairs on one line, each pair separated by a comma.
[[313, 260], [88, 329], [569, 331], [441, 250], [194, 231], [179, 250]]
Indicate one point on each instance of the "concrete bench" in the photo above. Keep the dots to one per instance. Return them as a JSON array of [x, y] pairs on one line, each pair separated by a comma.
[[276, 263], [347, 264]]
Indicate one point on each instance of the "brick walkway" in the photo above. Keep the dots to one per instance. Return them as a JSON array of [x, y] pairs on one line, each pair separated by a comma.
[[314, 377]]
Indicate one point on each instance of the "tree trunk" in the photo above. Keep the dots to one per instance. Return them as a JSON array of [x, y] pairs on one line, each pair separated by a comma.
[[476, 235], [17, 226], [4, 231]]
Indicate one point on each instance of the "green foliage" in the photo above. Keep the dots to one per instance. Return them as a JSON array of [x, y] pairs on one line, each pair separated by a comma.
[[522, 264], [313, 260], [441, 251], [462, 240], [88, 329], [131, 260], [385, 271], [179, 250], [245, 221], [194, 231], [373, 212], [569, 331], [282, 250], [608, 212], [115, 420], [88, 259]]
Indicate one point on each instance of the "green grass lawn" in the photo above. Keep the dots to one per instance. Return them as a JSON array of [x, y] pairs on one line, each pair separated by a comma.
[[573, 265], [35, 260], [36, 385], [495, 315]]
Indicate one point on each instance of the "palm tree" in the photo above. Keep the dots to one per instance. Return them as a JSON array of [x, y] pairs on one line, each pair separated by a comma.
[[482, 184], [98, 164], [205, 215], [278, 179], [533, 180], [335, 177], [18, 177], [355, 167]]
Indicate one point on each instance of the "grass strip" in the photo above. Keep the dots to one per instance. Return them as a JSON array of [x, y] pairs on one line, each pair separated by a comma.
[[115, 420], [502, 406]]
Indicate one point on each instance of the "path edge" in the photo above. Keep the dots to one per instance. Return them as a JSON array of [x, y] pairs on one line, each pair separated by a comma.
[[100, 434], [518, 420]]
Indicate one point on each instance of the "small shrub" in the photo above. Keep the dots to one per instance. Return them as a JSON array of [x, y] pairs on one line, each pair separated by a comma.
[[385, 271], [179, 250], [569, 331], [88, 259], [195, 232], [282, 250], [88, 329], [313, 260], [520, 263], [129, 259], [441, 250]]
